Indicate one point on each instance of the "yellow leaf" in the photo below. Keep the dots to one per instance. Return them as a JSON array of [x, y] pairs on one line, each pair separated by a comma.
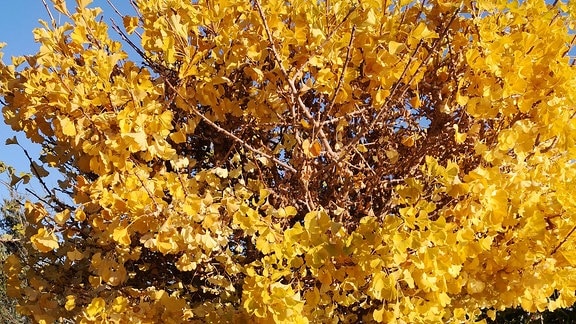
[[459, 137], [80, 215], [62, 217], [317, 35], [130, 23], [68, 127], [378, 284], [311, 150], [370, 18], [461, 100], [475, 286], [60, 6], [422, 32], [95, 281], [415, 102], [393, 155], [253, 52], [165, 119], [120, 304], [291, 211], [121, 236], [570, 256], [255, 73], [44, 241], [287, 212], [70, 302], [179, 136], [361, 148], [95, 308], [316, 149], [408, 141], [221, 172], [136, 141], [180, 163], [75, 255], [408, 278], [444, 299], [492, 314], [83, 3], [378, 315]]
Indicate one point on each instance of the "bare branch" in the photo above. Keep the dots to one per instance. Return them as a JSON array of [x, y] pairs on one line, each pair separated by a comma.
[[293, 90], [53, 197], [227, 133]]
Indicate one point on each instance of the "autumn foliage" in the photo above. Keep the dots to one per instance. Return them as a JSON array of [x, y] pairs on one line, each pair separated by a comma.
[[299, 161]]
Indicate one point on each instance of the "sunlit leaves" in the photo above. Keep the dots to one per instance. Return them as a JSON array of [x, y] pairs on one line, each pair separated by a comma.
[[421, 32], [70, 302], [121, 236], [298, 161], [95, 308], [130, 23], [311, 149], [44, 240]]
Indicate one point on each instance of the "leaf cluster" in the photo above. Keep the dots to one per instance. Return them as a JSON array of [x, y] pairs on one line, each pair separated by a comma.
[[302, 161]]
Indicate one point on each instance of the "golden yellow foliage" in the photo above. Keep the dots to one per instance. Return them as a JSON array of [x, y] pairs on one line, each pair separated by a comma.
[[299, 161]]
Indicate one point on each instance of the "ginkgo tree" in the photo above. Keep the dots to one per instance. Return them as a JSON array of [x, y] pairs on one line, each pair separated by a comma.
[[298, 161]]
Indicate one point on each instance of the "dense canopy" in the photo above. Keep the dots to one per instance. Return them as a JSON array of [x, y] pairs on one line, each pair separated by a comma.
[[298, 161]]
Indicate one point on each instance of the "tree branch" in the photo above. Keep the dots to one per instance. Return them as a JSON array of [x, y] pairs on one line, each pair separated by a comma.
[[293, 90], [227, 133], [563, 241], [341, 79], [346, 149], [52, 20], [53, 197]]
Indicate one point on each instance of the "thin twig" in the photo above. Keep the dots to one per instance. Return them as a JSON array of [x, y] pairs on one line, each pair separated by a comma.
[[114, 8], [563, 241], [346, 149], [348, 115], [135, 6], [365, 162], [227, 133], [8, 239], [38, 197], [37, 174], [324, 43], [569, 46], [49, 13], [341, 79], [293, 89], [146, 188], [120, 15], [137, 49]]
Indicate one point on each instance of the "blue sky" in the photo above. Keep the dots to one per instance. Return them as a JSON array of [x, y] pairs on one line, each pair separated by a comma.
[[17, 20]]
